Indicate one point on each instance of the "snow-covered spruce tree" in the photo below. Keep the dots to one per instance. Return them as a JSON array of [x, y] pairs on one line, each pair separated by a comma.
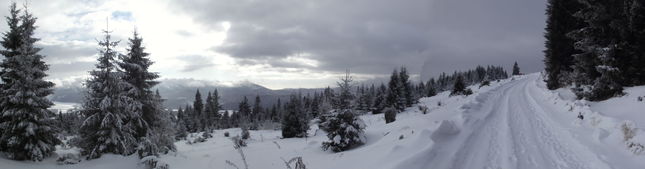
[[134, 66], [215, 108], [516, 69], [294, 123], [244, 113], [344, 130], [393, 92], [430, 88], [108, 110], [380, 100], [198, 107], [345, 97], [156, 129], [597, 68], [27, 134], [635, 71], [459, 87], [160, 135], [406, 97], [558, 57], [208, 112], [11, 43]]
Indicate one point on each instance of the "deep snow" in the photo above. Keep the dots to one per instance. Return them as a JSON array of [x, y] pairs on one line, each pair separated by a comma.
[[510, 124]]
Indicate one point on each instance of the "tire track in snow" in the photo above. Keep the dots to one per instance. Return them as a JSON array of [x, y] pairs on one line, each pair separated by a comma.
[[511, 130]]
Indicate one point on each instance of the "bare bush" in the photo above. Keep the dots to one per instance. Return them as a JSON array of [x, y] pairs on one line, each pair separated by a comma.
[[298, 163]]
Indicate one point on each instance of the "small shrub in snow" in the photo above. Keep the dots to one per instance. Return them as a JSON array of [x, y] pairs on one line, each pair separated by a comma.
[[298, 163], [390, 114], [484, 83], [199, 139], [152, 162], [69, 158], [628, 131], [238, 142], [239, 151], [245, 134], [226, 134], [345, 131], [423, 109], [439, 103], [640, 98], [147, 148], [635, 148], [207, 134]]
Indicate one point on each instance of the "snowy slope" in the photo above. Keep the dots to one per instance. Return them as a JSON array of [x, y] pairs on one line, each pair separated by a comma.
[[510, 124]]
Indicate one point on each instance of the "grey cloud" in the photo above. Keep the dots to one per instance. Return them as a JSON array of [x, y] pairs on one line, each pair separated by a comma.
[[196, 62], [376, 36], [66, 52]]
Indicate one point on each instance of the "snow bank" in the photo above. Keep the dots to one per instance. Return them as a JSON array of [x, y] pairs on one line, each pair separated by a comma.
[[615, 122]]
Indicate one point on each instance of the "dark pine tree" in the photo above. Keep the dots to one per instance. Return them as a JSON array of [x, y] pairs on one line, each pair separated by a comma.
[[198, 108], [294, 123], [603, 47], [558, 55], [406, 94], [516, 69], [135, 72], [28, 134], [393, 93], [11, 43]]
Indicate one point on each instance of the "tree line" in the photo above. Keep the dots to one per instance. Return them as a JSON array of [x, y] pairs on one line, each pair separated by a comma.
[[597, 47]]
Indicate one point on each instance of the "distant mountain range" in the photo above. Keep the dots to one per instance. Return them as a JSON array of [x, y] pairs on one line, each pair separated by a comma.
[[180, 92]]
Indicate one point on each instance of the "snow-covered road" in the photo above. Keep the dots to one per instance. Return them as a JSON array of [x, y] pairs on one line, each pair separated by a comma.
[[510, 128]]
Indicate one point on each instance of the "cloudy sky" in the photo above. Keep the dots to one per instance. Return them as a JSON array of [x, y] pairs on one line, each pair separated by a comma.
[[293, 43]]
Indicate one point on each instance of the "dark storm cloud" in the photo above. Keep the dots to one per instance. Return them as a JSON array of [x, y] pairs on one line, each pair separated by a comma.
[[376, 36], [196, 62]]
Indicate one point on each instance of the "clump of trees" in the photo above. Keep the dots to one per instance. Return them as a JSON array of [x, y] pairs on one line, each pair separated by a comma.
[[122, 113], [459, 88], [595, 46]]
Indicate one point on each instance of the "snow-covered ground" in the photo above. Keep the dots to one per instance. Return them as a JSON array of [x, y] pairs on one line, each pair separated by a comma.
[[510, 124]]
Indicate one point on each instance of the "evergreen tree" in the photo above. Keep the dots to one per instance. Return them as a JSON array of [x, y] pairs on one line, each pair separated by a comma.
[[516, 69], [598, 66], [135, 72], [107, 108], [380, 100], [459, 87], [198, 109], [558, 55], [208, 111], [159, 138], [406, 97], [393, 93], [11, 42], [635, 68], [345, 130], [244, 113], [294, 123], [257, 109], [345, 96], [430, 88], [27, 133]]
